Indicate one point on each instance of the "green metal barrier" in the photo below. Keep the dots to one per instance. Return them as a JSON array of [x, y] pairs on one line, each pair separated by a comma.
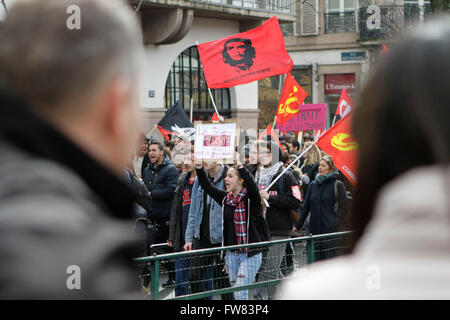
[[317, 247]]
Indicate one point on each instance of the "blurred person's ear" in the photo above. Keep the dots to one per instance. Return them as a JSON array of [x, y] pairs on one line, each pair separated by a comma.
[[118, 110]]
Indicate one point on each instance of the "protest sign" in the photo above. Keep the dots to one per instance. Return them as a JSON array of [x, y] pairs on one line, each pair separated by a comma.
[[215, 141], [309, 117]]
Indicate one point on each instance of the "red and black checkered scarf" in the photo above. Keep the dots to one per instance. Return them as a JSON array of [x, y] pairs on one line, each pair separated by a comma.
[[240, 217]]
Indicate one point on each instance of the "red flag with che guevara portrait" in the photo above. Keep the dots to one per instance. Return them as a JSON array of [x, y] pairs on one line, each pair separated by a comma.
[[245, 57]]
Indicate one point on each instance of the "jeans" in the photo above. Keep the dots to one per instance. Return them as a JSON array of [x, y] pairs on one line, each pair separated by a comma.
[[207, 272], [270, 268], [182, 276], [242, 271]]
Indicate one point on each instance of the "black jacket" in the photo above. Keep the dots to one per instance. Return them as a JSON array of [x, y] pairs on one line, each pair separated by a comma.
[[320, 201], [281, 202], [161, 181], [175, 214], [252, 198], [59, 207]]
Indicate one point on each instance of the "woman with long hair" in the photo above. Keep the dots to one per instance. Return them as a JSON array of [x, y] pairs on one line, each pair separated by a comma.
[[312, 158], [401, 209], [241, 204]]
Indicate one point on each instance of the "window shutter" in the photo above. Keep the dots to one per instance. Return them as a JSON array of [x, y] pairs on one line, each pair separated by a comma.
[[307, 23]]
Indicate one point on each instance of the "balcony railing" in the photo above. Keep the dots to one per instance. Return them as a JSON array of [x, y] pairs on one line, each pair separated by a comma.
[[393, 19], [338, 22], [281, 6]]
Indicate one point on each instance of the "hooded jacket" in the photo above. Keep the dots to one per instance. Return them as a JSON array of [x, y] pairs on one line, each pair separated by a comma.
[[161, 181]]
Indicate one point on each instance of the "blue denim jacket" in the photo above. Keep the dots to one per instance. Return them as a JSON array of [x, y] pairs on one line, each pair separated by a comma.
[[196, 211]]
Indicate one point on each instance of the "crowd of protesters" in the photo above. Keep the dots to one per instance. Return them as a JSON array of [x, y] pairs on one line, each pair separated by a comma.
[[70, 180], [195, 207]]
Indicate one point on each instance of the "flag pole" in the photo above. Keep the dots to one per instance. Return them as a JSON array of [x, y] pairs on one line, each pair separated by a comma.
[[210, 94], [334, 119], [286, 169], [280, 89], [151, 131], [212, 100], [192, 109]]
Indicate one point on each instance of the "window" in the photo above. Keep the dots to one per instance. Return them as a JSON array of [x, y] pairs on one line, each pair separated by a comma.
[[340, 16], [186, 81]]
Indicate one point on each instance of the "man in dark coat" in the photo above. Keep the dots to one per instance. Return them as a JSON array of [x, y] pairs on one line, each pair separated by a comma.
[[160, 178]]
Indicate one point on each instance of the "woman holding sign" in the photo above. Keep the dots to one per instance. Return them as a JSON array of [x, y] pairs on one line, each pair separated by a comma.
[[241, 216]]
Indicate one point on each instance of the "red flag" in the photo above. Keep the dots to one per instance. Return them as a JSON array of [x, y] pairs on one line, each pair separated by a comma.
[[291, 98], [245, 57], [384, 48], [215, 118], [338, 142], [270, 132], [345, 104]]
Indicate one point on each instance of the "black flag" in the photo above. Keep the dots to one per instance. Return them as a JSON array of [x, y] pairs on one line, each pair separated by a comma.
[[175, 121]]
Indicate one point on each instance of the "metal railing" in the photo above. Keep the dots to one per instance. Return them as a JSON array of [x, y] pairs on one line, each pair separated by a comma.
[[338, 22], [209, 279], [393, 19]]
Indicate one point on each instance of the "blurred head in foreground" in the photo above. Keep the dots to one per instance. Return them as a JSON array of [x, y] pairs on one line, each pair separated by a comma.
[[402, 116], [83, 80]]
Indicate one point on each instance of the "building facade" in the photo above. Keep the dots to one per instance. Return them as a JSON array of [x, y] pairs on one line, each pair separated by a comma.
[[334, 43], [173, 70]]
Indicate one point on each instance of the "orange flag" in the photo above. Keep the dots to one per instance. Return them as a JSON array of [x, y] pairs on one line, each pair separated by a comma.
[[270, 132], [291, 98], [384, 48], [339, 143]]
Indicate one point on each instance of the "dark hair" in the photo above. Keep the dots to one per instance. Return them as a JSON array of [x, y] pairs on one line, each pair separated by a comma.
[[296, 144], [159, 144], [169, 144], [408, 93]]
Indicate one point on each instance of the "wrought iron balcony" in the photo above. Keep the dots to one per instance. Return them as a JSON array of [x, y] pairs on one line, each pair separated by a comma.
[[393, 19], [338, 22]]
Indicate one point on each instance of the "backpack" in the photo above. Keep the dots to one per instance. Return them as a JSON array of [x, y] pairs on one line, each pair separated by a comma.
[[345, 223]]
